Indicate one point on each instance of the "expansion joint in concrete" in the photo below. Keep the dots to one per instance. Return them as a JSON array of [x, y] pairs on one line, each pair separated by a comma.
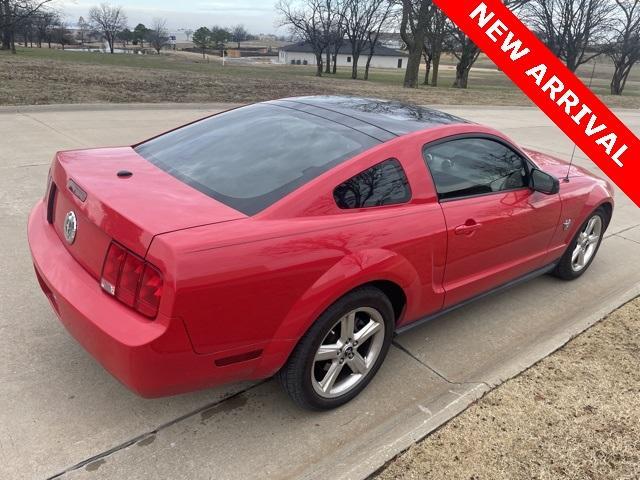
[[433, 369]]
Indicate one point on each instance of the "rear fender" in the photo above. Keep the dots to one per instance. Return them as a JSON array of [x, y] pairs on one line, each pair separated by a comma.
[[350, 272]]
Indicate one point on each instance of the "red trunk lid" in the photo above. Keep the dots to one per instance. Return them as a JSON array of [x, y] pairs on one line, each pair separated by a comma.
[[130, 210]]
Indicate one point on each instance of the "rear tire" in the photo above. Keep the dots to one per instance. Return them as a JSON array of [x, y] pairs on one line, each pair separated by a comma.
[[341, 352], [584, 246]]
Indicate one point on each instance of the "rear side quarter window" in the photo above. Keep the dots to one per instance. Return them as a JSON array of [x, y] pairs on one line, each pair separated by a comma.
[[383, 184]]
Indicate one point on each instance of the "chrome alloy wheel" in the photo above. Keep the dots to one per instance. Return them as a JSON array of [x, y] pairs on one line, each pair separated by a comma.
[[354, 342], [586, 244]]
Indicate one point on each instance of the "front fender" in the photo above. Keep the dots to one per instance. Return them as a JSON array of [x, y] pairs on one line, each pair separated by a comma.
[[350, 272], [595, 197]]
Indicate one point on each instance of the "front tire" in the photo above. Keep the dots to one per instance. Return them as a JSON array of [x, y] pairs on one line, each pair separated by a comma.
[[341, 352], [583, 248]]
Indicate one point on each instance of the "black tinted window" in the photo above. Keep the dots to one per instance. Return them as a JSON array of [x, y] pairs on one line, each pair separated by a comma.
[[251, 157], [382, 184], [474, 166]]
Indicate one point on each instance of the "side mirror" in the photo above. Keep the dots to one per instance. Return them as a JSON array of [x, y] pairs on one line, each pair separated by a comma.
[[543, 182]]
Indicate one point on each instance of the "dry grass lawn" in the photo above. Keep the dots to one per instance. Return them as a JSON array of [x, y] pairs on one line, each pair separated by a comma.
[[45, 76], [574, 415]]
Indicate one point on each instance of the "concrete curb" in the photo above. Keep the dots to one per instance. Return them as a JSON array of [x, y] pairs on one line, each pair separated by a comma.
[[422, 428]]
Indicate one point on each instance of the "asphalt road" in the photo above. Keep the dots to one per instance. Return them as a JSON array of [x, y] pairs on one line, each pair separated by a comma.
[[62, 415]]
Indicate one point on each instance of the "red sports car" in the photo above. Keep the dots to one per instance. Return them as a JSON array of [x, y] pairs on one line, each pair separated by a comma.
[[296, 237]]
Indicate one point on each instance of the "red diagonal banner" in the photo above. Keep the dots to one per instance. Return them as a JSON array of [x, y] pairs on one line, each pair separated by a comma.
[[552, 87]]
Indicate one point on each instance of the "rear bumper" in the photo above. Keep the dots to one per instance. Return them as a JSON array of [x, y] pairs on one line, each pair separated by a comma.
[[151, 357]]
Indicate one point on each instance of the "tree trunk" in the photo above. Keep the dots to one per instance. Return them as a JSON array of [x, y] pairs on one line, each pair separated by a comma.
[[615, 83], [366, 68], [6, 39], [327, 68], [413, 64], [5, 17], [354, 66], [427, 68], [462, 75], [572, 63], [335, 63], [620, 76], [319, 64], [427, 71], [436, 68]]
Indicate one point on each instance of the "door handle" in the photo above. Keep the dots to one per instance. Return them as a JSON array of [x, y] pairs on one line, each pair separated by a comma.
[[468, 228]]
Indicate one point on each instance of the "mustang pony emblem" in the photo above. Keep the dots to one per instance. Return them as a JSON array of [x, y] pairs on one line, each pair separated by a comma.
[[70, 227]]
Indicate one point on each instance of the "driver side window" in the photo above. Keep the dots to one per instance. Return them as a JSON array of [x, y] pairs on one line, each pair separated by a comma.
[[474, 166]]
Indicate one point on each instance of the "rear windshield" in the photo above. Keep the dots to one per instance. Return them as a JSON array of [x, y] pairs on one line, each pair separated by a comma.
[[251, 157]]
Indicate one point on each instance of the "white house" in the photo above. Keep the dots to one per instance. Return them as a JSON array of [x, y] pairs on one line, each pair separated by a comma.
[[302, 54]]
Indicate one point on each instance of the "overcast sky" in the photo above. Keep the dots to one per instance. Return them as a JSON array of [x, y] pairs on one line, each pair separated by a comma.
[[258, 16]]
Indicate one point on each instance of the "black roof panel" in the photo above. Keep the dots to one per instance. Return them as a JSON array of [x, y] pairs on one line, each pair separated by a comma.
[[392, 116]]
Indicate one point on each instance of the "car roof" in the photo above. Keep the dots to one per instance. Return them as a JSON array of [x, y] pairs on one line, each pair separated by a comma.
[[381, 119]]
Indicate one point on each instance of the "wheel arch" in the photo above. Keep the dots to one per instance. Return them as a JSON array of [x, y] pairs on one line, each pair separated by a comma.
[[385, 270], [607, 206], [394, 292]]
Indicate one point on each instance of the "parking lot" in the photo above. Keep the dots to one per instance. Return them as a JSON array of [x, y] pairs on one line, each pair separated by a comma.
[[62, 415]]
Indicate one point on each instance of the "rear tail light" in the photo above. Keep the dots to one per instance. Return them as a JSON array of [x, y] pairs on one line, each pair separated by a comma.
[[131, 280], [150, 291]]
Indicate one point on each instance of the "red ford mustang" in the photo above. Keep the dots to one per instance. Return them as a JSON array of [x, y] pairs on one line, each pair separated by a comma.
[[296, 237]]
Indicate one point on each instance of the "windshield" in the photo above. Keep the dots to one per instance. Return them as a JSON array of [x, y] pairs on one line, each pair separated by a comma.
[[251, 157]]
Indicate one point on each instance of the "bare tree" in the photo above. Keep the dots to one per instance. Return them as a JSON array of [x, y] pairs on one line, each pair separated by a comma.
[[386, 16], [108, 20], [25, 28], [467, 52], [12, 14], [61, 33], [187, 33], [624, 49], [572, 29], [413, 27], [307, 20], [238, 34], [337, 34], [360, 20], [331, 18], [158, 36], [44, 22], [83, 30], [434, 43]]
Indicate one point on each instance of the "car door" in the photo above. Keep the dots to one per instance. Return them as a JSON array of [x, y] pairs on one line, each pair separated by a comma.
[[498, 229]]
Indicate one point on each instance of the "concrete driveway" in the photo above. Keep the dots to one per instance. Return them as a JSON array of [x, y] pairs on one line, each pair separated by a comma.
[[63, 416]]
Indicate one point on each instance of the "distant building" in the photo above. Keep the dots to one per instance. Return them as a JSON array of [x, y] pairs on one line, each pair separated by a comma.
[[391, 40], [301, 53]]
